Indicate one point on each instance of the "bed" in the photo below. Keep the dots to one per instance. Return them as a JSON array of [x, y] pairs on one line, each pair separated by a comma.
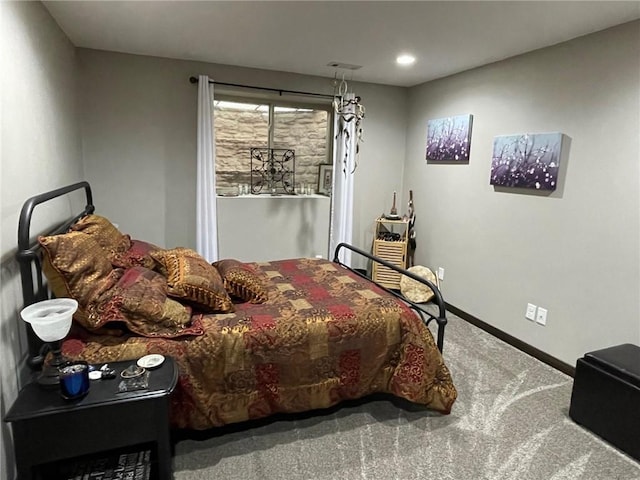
[[299, 334]]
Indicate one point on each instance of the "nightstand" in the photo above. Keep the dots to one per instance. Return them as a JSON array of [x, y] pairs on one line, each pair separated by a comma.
[[46, 428]]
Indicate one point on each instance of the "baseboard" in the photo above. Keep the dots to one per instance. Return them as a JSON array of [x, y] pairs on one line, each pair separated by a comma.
[[513, 341]]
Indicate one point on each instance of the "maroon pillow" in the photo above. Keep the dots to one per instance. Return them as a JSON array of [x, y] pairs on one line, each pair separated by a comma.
[[139, 254], [139, 299]]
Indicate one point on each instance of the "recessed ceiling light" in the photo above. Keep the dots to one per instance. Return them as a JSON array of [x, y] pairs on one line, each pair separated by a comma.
[[405, 59]]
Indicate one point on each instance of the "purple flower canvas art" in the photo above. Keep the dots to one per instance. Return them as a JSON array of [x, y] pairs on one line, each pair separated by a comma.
[[526, 161], [449, 139]]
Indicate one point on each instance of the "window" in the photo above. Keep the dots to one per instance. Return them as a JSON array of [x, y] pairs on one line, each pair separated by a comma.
[[243, 124]]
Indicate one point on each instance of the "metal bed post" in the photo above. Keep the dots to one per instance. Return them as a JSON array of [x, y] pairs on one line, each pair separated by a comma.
[[29, 257], [441, 319]]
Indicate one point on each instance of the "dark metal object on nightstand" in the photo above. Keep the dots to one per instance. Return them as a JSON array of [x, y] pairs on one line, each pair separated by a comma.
[[50, 320]]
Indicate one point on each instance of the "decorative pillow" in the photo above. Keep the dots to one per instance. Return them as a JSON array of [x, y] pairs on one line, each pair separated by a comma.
[[241, 281], [159, 265], [191, 278], [139, 299], [104, 232], [137, 255], [77, 267]]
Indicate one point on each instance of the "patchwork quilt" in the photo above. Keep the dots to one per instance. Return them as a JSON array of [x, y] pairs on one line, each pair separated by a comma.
[[323, 336]]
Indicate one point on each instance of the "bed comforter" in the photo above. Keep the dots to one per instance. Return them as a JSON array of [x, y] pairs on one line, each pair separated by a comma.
[[325, 335]]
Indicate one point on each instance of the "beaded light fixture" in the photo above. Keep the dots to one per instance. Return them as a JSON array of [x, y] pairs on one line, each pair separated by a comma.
[[349, 110]]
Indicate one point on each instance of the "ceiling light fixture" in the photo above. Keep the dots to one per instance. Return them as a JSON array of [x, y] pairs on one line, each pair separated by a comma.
[[405, 59], [350, 111]]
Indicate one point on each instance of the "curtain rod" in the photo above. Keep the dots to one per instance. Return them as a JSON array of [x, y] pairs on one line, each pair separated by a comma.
[[278, 90]]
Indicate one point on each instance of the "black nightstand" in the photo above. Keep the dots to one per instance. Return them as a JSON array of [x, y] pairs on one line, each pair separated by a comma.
[[47, 428]]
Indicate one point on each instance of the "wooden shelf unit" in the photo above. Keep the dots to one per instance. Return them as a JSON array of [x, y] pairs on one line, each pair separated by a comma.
[[392, 250]]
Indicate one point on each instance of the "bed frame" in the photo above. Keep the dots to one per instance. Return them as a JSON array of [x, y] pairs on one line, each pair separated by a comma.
[[34, 288], [426, 316], [29, 256]]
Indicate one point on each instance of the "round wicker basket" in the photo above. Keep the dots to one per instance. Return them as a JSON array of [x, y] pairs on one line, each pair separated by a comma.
[[416, 291]]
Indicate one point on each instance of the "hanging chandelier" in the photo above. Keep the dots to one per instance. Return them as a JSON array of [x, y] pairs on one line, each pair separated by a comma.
[[349, 111]]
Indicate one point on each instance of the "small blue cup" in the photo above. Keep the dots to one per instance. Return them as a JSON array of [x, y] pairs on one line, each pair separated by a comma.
[[74, 380]]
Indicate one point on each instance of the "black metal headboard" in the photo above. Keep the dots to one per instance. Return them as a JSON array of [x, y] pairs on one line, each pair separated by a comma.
[[29, 255]]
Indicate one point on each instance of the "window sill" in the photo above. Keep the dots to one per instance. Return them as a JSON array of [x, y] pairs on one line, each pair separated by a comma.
[[267, 196]]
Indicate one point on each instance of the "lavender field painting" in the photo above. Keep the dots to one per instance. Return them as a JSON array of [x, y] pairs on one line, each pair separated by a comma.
[[526, 161], [449, 139]]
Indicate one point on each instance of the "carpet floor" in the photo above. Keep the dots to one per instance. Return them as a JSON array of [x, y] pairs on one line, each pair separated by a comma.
[[510, 422]]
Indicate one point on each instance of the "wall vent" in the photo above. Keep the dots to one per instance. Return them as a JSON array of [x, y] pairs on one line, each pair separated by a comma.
[[346, 66]]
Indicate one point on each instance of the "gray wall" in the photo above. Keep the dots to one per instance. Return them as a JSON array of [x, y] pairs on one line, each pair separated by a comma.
[[40, 151], [261, 228], [139, 140], [574, 252]]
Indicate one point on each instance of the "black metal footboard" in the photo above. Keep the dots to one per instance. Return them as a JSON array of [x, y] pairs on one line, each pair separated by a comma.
[[440, 319]]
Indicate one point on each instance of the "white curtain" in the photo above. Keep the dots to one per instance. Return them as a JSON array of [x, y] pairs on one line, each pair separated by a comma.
[[206, 226], [344, 163]]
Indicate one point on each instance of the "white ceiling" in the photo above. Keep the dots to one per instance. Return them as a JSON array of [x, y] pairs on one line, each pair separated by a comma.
[[304, 36]]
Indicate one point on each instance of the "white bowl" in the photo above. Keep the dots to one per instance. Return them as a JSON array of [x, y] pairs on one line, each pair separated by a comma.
[[151, 361], [50, 319]]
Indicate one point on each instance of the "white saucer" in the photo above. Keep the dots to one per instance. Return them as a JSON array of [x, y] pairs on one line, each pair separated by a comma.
[[151, 361]]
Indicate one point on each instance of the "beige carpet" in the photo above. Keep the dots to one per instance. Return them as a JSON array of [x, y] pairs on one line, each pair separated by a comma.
[[510, 422]]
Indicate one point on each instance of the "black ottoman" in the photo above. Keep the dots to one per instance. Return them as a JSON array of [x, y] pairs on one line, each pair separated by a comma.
[[606, 396]]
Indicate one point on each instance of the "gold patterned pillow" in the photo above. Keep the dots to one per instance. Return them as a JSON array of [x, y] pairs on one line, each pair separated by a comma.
[[110, 239], [241, 281], [76, 267], [159, 265], [191, 278]]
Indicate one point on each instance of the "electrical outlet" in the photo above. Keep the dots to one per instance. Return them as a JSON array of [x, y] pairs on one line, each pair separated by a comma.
[[531, 311], [440, 273], [541, 316]]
